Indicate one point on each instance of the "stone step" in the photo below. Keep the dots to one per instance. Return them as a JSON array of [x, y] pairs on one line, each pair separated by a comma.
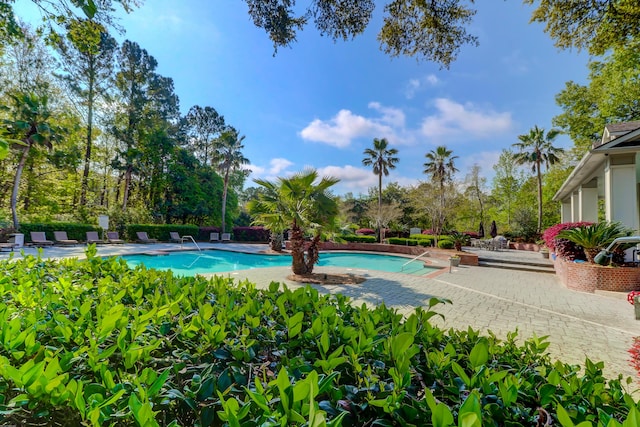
[[510, 265], [532, 263]]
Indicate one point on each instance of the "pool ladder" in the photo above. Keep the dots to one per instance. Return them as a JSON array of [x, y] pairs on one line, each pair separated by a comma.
[[411, 260], [187, 238]]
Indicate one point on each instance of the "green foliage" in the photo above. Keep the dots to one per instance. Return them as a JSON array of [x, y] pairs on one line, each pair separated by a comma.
[[424, 239], [407, 242], [93, 342], [594, 237], [358, 238], [74, 231], [446, 244]]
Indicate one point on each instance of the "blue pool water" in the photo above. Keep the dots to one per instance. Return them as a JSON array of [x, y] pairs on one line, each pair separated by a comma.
[[213, 261]]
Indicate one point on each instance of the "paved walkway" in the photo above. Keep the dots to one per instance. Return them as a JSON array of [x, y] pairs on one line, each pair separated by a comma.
[[578, 324]]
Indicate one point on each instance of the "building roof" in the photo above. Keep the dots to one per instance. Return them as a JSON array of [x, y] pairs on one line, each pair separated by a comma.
[[617, 138]]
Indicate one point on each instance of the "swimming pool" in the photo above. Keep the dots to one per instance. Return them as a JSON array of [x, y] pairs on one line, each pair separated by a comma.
[[190, 263]]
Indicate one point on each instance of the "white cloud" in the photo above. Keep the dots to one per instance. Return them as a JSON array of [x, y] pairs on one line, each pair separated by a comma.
[[467, 120], [392, 116], [277, 167], [346, 126], [351, 178], [484, 159], [416, 85]]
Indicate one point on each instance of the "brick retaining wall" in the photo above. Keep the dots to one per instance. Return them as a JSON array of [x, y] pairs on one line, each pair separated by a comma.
[[465, 257], [587, 277]]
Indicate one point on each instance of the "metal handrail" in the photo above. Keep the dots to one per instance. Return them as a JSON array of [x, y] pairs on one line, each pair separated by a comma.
[[412, 259], [192, 239]]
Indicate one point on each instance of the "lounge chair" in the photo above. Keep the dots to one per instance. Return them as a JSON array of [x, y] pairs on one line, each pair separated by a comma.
[[174, 236], [39, 238], [143, 237], [114, 237], [61, 238], [214, 237], [8, 245], [226, 237], [93, 237]]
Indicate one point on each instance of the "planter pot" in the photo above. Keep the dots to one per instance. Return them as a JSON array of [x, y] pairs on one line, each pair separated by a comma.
[[454, 262]]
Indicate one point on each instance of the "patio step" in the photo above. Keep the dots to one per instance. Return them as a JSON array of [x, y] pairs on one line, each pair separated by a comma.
[[539, 267]]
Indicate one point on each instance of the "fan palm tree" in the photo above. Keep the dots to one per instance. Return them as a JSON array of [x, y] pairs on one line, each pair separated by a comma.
[[382, 159], [440, 166], [305, 204], [595, 237], [229, 157], [30, 127], [535, 149]]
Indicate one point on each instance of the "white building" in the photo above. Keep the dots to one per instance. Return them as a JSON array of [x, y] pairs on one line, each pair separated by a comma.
[[609, 172]]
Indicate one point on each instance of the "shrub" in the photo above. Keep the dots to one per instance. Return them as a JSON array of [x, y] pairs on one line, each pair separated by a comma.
[[445, 244], [595, 237], [204, 233], [568, 250], [366, 231], [472, 234], [402, 241], [251, 234], [549, 235], [95, 342], [359, 239]]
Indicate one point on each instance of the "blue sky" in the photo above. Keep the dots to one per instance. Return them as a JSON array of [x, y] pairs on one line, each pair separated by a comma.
[[320, 104]]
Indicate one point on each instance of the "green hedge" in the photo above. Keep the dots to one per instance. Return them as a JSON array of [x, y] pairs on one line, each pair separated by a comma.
[[74, 231], [159, 231], [359, 238], [92, 342], [402, 241], [445, 244]]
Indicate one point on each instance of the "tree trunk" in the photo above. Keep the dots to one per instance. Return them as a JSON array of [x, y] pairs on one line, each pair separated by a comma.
[[84, 186], [296, 237], [275, 241], [313, 254], [224, 199], [16, 186], [127, 185], [378, 231], [539, 197]]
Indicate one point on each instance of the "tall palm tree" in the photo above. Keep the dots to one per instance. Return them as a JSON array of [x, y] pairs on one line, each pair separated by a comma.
[[536, 149], [30, 128], [304, 203], [229, 157], [440, 166], [382, 159]]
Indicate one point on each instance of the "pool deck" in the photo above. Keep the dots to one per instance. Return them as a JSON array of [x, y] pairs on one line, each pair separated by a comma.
[[578, 324]]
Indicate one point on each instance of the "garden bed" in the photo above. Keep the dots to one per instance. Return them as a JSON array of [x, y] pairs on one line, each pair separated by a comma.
[[585, 277]]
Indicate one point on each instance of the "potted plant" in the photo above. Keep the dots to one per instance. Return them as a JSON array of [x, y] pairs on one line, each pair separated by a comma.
[[454, 261], [459, 239]]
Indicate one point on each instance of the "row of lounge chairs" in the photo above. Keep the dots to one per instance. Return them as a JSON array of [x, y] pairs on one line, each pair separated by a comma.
[[215, 237], [39, 238]]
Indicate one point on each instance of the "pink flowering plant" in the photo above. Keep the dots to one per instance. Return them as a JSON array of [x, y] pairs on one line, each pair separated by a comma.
[[550, 234], [631, 296]]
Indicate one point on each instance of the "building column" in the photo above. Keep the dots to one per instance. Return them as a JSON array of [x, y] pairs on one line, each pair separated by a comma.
[[588, 204], [575, 206], [621, 197], [565, 211]]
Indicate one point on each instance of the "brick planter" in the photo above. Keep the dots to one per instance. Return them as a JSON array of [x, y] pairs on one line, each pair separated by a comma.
[[465, 257], [587, 277]]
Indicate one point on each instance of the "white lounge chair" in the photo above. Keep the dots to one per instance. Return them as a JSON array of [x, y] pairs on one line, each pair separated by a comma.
[[226, 237], [214, 237]]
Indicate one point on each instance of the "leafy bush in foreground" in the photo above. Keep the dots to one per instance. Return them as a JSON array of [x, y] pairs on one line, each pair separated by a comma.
[[96, 343]]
